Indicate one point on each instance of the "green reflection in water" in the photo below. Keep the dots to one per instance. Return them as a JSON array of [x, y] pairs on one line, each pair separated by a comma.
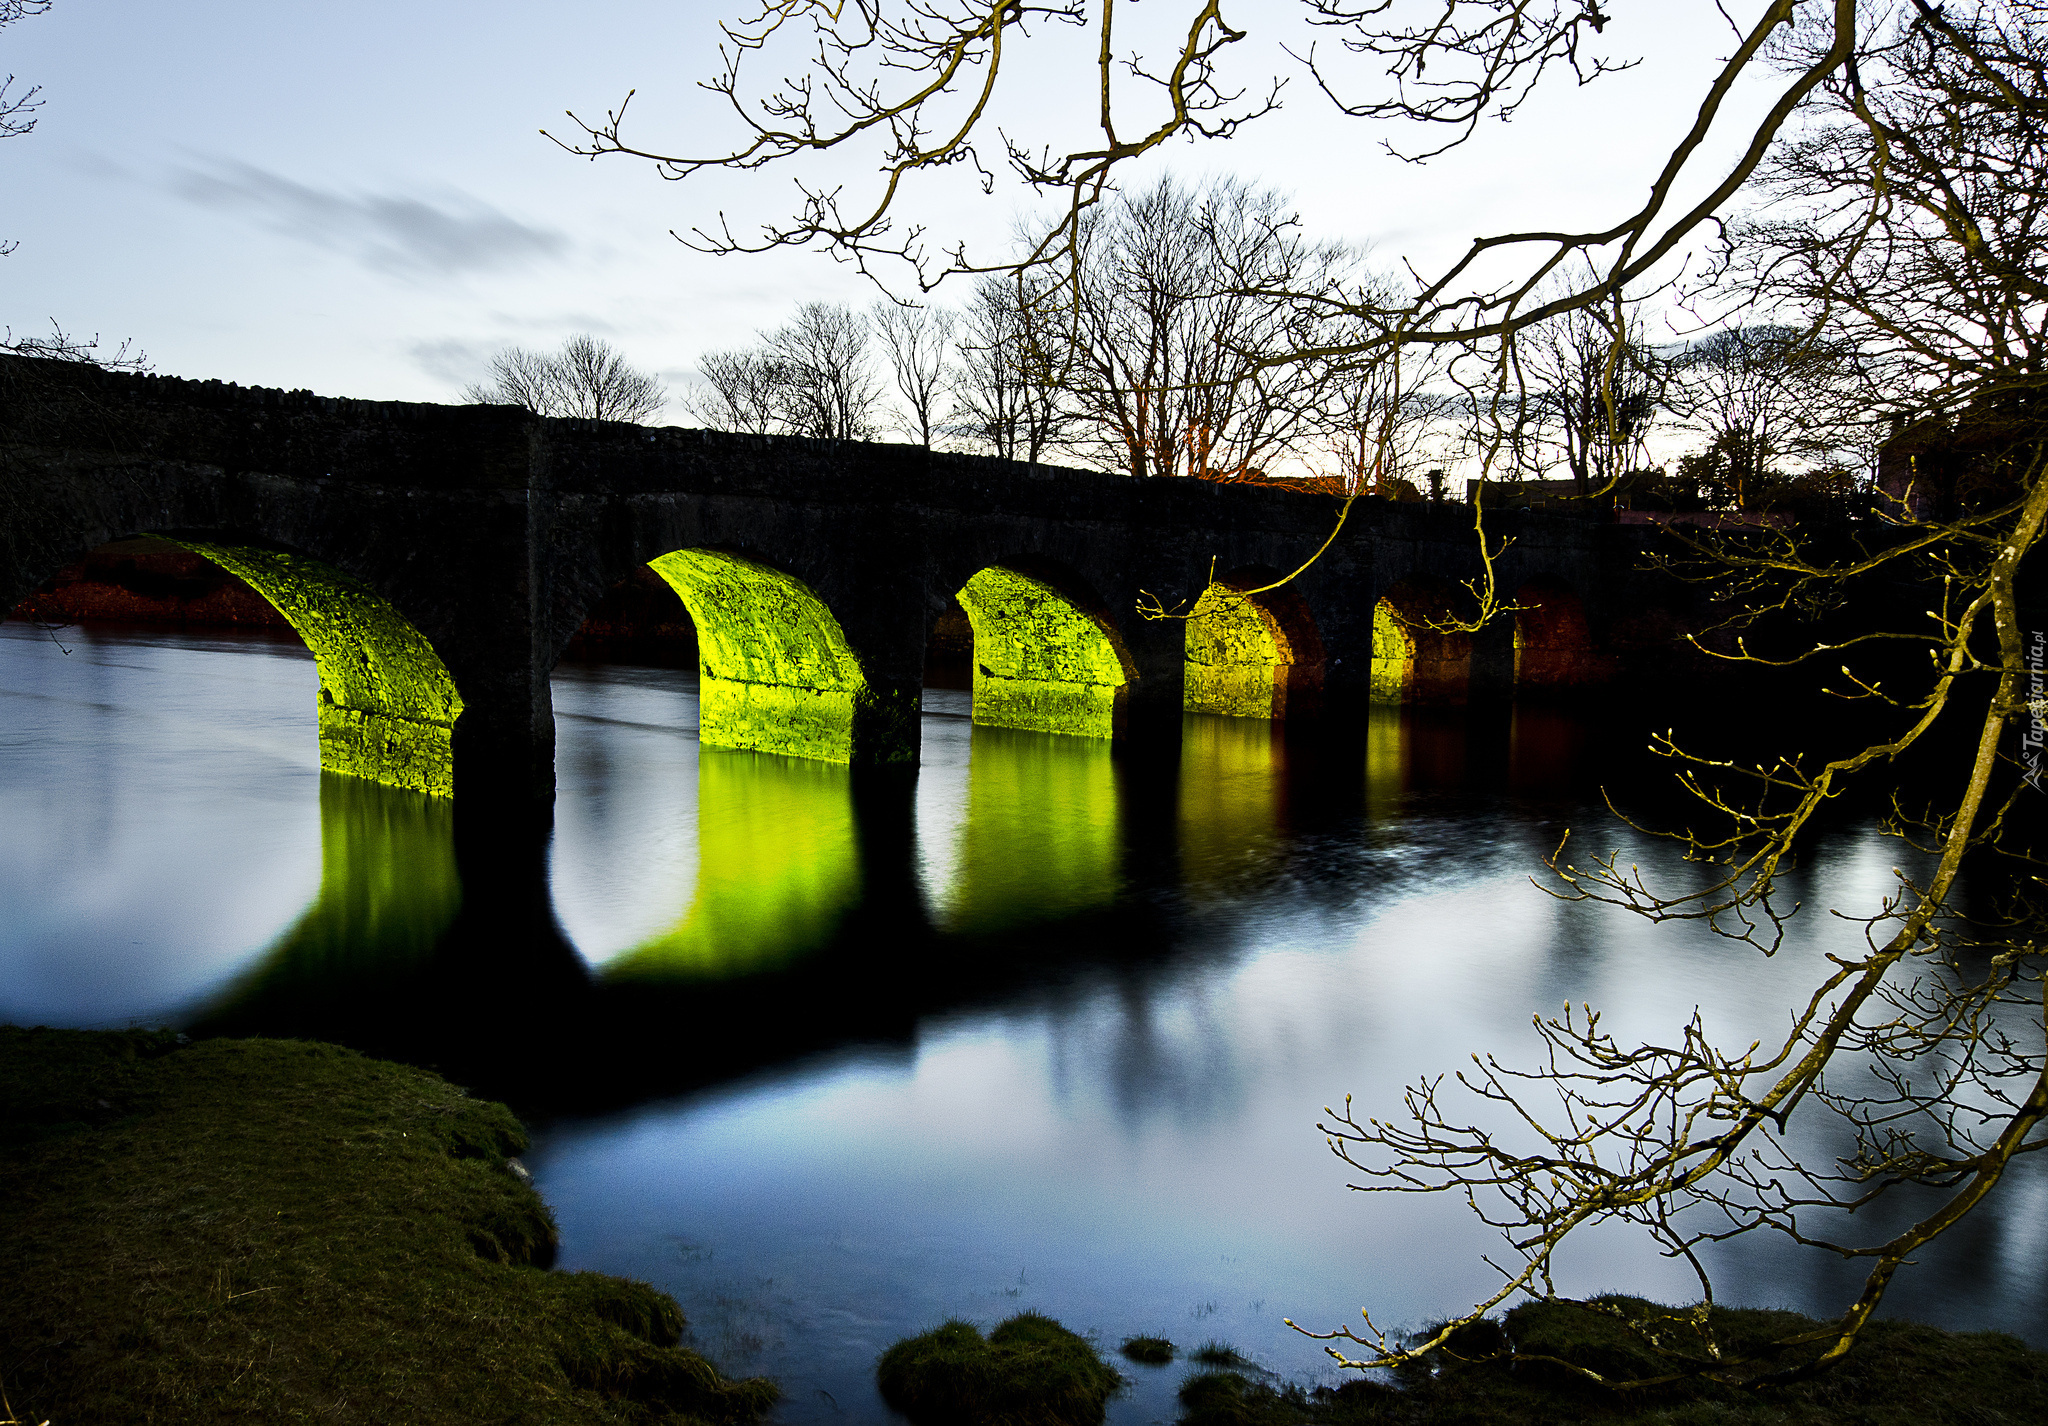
[[1043, 834], [1230, 770], [389, 890], [778, 868], [1410, 749], [1386, 758]]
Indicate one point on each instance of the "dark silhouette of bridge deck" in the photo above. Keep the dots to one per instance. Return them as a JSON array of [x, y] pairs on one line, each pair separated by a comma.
[[438, 559]]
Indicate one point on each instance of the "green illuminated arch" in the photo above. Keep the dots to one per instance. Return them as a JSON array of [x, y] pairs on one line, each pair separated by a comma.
[[387, 704], [1393, 654], [1041, 662], [777, 673], [778, 868], [1240, 660], [1418, 653]]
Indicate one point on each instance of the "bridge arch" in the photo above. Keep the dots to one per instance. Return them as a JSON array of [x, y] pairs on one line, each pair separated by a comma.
[[388, 704], [1047, 656], [1252, 655], [776, 673], [1553, 646], [1414, 659]]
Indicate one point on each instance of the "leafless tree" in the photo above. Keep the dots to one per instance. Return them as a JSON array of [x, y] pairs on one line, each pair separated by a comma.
[[1587, 394], [1006, 400], [518, 378], [1904, 220], [1899, 150], [829, 390], [1380, 425], [596, 384], [18, 107], [17, 119], [61, 345], [743, 392], [808, 377], [1771, 401], [587, 379], [1178, 295], [919, 343]]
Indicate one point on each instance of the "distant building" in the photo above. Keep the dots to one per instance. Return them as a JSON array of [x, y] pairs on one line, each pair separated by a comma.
[[1933, 469]]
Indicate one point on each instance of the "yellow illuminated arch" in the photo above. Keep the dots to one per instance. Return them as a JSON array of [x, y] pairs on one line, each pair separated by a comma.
[[1041, 662], [387, 704], [1393, 654], [1239, 659], [777, 673]]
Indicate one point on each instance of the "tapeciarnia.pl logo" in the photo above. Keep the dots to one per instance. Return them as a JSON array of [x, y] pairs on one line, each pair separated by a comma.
[[2035, 733]]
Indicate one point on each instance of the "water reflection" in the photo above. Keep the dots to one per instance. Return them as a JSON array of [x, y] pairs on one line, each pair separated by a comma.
[[1046, 1027], [1231, 774], [159, 818], [1545, 746], [389, 892], [778, 870], [1042, 837]]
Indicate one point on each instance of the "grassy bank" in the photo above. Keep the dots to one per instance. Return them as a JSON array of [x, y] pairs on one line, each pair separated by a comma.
[[1899, 1374], [266, 1230]]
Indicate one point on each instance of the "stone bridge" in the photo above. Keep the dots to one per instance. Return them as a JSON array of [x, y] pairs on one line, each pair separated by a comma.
[[437, 560]]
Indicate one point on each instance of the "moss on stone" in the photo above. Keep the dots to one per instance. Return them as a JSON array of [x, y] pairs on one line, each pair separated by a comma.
[[387, 703], [1238, 658], [1393, 655], [1040, 661], [1899, 1374], [777, 674], [266, 1230]]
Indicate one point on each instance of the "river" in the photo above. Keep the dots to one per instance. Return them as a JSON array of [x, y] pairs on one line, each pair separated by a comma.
[[832, 1058]]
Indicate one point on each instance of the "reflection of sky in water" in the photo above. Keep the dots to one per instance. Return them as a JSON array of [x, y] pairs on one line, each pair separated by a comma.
[[159, 816], [1132, 1148], [1125, 1141]]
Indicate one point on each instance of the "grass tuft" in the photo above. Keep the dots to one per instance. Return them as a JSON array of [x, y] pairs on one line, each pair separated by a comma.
[[1030, 1371], [1151, 1351], [1218, 1354], [244, 1231]]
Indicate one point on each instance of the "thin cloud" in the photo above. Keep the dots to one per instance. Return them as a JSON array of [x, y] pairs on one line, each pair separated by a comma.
[[452, 360], [396, 233]]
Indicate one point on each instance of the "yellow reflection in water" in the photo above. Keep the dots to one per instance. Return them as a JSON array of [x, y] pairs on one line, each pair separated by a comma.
[[388, 890], [1043, 835], [778, 868], [1386, 758], [1230, 772]]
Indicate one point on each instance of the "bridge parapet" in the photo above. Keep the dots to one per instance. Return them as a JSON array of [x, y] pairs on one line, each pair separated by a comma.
[[471, 541]]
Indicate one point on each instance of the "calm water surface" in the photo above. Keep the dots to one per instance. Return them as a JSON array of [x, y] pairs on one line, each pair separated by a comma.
[[832, 1058]]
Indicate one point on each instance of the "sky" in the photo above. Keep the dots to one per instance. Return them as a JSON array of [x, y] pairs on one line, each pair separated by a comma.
[[357, 199]]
